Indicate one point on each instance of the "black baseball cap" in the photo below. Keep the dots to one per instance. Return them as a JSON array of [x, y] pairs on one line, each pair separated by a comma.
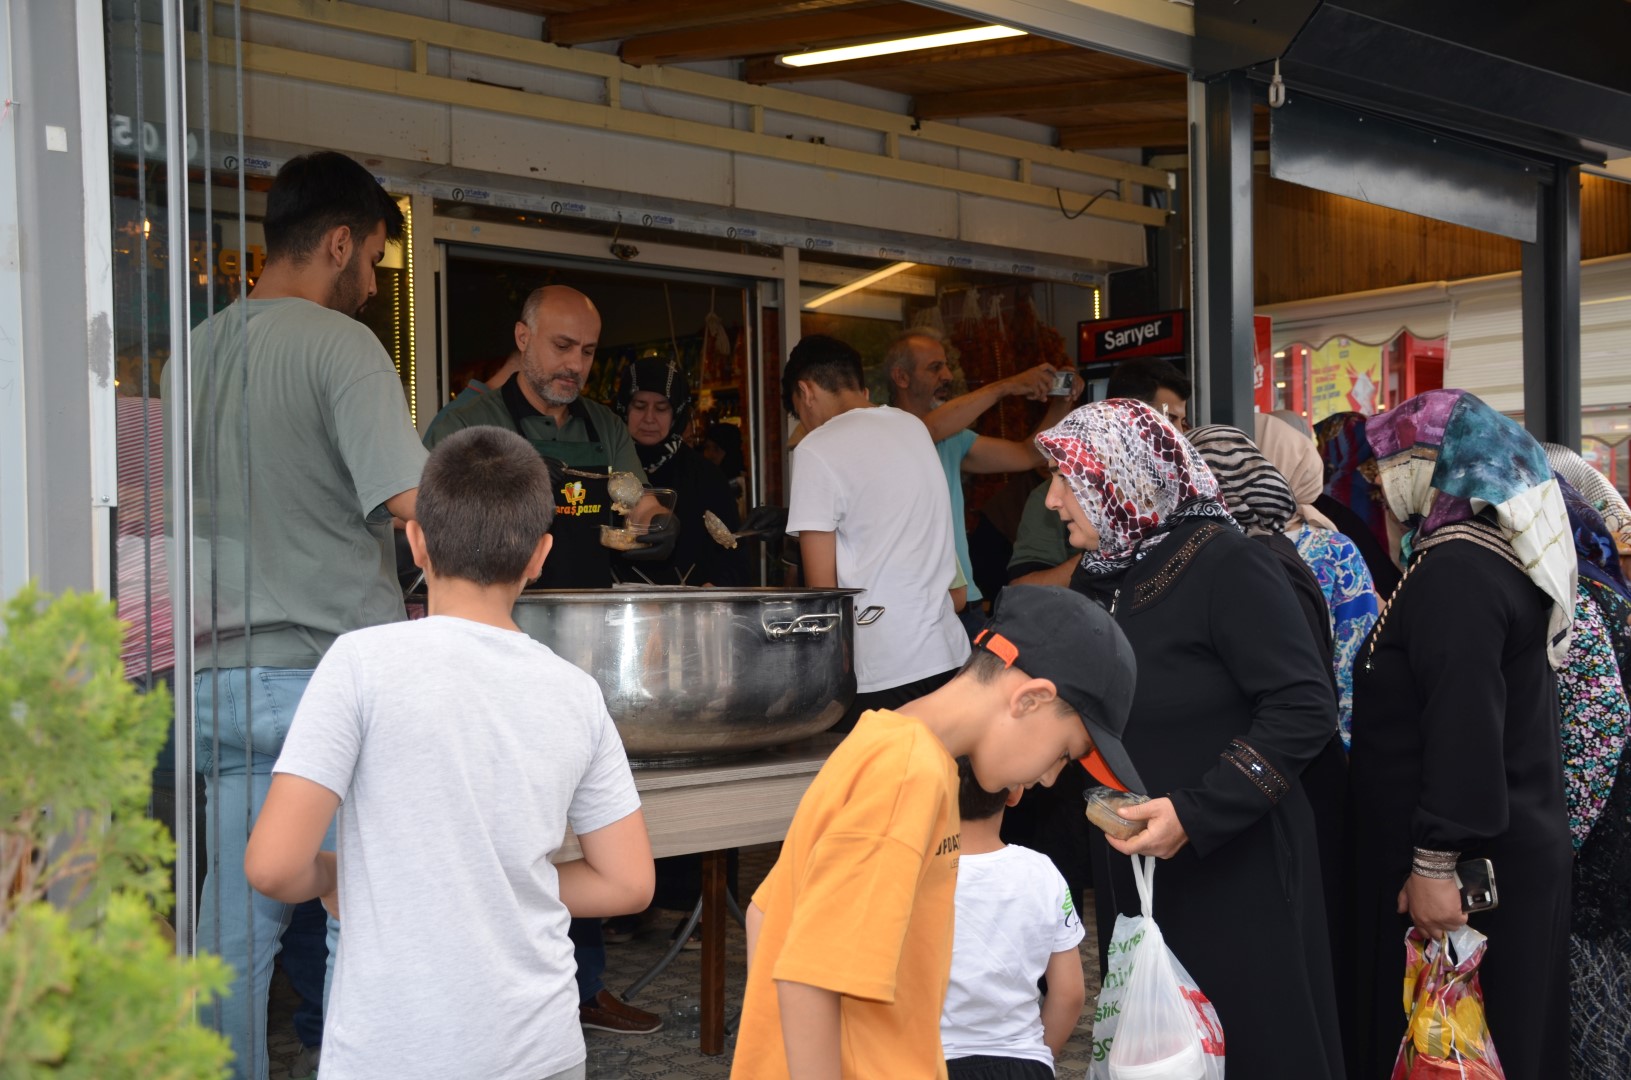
[[1060, 635]]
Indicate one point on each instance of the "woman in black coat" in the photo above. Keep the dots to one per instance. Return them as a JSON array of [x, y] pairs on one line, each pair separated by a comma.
[[1455, 738], [1261, 501], [653, 398], [1233, 701]]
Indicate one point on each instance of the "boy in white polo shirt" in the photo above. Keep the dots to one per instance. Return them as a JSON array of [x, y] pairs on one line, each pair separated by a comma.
[[457, 751], [1015, 923]]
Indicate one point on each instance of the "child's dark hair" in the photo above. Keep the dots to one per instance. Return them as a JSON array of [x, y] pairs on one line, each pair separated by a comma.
[[484, 500], [825, 361], [315, 193], [974, 803]]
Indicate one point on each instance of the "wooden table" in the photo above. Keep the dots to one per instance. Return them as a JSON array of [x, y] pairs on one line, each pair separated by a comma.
[[710, 808]]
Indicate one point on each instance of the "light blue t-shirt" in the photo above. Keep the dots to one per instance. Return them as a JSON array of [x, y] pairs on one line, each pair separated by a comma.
[[952, 451]]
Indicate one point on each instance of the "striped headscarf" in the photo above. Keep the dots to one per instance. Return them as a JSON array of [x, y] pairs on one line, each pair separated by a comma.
[[1298, 459], [1446, 457], [1257, 495], [1134, 476]]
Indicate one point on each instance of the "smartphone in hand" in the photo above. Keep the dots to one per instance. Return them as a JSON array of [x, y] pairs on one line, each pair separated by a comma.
[[1476, 880]]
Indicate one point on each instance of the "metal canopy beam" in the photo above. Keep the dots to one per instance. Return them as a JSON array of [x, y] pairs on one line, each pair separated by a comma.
[[1551, 316], [1455, 64], [1364, 156], [1221, 249], [1152, 30]]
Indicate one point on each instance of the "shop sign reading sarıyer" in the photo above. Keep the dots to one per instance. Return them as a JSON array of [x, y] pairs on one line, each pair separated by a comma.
[[1161, 334]]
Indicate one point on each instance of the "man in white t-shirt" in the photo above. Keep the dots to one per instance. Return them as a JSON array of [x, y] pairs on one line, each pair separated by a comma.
[[457, 751], [871, 511], [1015, 923]]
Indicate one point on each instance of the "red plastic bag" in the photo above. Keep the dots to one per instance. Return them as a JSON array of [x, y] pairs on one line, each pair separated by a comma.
[[1447, 1037]]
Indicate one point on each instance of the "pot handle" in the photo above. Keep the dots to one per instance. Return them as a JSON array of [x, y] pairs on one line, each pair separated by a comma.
[[813, 625], [868, 616]]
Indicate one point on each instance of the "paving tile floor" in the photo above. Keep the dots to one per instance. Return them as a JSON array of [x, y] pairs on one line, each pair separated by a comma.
[[674, 1052]]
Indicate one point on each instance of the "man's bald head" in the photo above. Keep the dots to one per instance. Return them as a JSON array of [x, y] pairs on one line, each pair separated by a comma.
[[551, 301], [557, 335]]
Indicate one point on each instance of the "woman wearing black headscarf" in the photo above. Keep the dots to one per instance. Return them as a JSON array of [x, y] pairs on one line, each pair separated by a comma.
[[654, 400]]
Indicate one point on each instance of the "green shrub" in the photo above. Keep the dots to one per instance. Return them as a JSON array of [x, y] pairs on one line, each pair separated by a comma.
[[89, 983]]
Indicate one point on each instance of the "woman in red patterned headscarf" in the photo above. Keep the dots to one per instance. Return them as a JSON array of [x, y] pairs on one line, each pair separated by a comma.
[[1232, 702]]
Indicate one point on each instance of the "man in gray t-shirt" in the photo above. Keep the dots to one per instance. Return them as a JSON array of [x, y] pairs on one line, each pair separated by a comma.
[[302, 451]]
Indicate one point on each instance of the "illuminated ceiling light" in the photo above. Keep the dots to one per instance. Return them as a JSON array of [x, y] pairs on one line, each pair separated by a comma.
[[899, 45], [859, 283], [1281, 355], [147, 227]]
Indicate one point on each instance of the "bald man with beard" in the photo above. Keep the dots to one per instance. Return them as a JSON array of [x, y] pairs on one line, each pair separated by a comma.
[[584, 443]]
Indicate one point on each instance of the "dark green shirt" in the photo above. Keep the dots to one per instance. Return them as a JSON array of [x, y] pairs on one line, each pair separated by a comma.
[[493, 409]]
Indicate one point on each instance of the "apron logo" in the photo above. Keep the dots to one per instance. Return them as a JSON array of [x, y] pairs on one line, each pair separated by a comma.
[[574, 493]]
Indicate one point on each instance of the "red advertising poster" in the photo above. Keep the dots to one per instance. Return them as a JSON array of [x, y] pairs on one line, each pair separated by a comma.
[[1263, 363]]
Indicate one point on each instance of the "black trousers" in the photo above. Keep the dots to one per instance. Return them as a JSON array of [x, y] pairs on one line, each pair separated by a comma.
[[890, 697], [983, 1067]]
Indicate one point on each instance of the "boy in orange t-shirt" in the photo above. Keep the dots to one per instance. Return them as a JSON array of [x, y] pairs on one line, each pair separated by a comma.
[[849, 938]]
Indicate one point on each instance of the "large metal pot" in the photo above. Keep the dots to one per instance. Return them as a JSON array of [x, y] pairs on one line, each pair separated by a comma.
[[696, 672]]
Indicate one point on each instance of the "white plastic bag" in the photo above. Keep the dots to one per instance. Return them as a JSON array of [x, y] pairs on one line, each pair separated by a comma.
[[1152, 1021]]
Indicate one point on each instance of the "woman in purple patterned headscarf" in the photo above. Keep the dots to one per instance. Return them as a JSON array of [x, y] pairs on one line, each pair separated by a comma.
[[1455, 737]]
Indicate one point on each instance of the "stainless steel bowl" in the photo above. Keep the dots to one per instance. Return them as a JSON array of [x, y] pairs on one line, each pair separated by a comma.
[[697, 672]]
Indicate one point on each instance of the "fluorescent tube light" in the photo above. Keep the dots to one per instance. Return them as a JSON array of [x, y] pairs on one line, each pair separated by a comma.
[[859, 283], [899, 45]]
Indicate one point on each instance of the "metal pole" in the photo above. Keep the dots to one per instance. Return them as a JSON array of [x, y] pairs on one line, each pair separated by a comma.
[[1221, 248], [178, 422], [1551, 315]]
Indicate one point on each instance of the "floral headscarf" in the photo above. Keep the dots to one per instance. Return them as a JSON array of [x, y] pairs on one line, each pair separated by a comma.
[[1298, 460], [1446, 457], [1134, 476], [1349, 470], [1257, 495]]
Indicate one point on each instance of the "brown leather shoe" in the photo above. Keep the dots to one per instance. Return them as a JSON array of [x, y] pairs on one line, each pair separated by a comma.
[[608, 1012]]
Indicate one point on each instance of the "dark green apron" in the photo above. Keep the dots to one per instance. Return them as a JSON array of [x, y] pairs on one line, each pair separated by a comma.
[[578, 473]]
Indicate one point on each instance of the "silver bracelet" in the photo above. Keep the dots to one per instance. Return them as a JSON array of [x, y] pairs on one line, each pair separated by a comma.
[[1434, 865]]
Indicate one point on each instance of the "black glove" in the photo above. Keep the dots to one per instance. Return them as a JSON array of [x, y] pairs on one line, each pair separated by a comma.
[[769, 520], [657, 545]]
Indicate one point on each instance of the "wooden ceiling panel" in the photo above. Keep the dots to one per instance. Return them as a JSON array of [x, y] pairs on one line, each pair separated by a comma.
[[1150, 134], [793, 33], [1049, 97], [1094, 100], [545, 7], [615, 22]]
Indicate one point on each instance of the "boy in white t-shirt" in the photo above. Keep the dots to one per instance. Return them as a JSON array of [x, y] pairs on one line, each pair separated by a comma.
[[1015, 924], [457, 751]]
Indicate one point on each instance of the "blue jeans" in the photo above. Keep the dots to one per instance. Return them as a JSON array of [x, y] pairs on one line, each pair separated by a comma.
[[589, 950], [248, 713], [305, 962]]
